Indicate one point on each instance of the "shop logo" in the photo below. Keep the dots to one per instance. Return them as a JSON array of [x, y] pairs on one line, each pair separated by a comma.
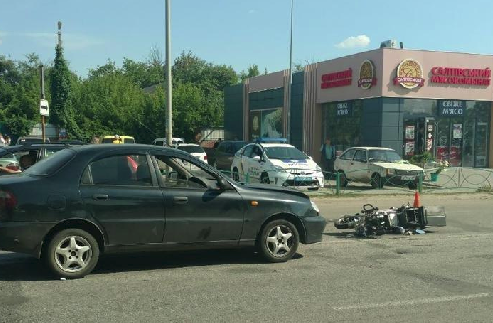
[[367, 77], [409, 74]]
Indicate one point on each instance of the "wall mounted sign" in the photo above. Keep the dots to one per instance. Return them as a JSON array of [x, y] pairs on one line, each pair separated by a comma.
[[462, 76], [409, 74], [451, 108], [367, 75], [343, 109], [337, 79]]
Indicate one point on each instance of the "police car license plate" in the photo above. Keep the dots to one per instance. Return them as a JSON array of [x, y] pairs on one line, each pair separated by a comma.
[[407, 177], [302, 178]]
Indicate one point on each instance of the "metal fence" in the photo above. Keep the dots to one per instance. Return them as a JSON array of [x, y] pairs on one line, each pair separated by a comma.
[[453, 179]]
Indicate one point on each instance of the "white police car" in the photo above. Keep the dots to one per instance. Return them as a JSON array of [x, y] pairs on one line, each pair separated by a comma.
[[275, 162]]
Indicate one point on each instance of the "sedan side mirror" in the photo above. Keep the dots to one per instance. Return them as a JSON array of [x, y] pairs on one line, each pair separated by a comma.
[[223, 184]]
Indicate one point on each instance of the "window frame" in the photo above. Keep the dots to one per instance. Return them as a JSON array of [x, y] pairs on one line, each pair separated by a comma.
[[154, 181], [193, 161], [346, 153]]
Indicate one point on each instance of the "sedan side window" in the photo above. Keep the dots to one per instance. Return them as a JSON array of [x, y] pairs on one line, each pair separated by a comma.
[[348, 155], [177, 172], [360, 156], [118, 170], [248, 151]]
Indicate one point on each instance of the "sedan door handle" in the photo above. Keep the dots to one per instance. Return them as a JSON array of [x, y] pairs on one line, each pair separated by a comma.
[[100, 197], [180, 199]]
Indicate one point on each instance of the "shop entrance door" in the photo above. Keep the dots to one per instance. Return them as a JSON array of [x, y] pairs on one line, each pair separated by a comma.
[[419, 136], [450, 140]]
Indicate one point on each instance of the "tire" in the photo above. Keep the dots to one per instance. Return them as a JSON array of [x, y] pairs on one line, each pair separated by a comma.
[[235, 175], [343, 179], [376, 181], [278, 241], [72, 243], [264, 179]]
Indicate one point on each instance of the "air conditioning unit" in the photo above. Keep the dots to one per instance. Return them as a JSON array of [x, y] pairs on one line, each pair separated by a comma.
[[389, 44]]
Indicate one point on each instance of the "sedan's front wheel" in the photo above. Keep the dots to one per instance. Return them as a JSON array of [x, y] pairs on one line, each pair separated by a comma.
[[72, 253], [278, 241]]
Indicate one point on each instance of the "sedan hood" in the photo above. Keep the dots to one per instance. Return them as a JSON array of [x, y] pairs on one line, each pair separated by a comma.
[[272, 188], [399, 166]]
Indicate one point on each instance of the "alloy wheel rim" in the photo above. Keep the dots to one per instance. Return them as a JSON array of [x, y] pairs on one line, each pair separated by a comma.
[[73, 254], [279, 241]]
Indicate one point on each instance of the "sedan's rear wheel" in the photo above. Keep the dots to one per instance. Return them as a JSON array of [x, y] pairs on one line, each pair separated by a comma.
[[72, 253], [278, 241]]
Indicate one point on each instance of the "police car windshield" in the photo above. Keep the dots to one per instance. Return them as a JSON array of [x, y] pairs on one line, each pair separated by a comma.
[[284, 153], [389, 156]]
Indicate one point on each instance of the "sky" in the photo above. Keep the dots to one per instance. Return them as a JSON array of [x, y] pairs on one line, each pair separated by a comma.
[[239, 33]]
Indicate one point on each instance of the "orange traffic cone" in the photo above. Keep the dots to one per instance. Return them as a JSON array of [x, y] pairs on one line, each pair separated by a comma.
[[417, 203]]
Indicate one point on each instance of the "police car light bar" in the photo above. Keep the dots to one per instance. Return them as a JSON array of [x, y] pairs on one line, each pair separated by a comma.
[[272, 140]]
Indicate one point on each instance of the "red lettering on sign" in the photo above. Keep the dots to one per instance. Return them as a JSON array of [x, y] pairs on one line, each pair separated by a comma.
[[468, 76]]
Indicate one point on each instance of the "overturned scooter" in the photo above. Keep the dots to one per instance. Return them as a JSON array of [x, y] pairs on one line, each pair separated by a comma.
[[371, 221]]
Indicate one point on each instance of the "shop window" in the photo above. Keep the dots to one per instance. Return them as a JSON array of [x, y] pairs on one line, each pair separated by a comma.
[[342, 123]]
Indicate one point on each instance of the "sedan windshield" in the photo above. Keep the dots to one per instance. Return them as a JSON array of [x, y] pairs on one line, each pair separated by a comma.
[[388, 156], [284, 153]]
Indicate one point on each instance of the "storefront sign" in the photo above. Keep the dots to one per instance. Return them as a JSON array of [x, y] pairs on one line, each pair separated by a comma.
[[409, 74], [337, 79], [343, 109], [462, 76], [367, 75], [451, 108]]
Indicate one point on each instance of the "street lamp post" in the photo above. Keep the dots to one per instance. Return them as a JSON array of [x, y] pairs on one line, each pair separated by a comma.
[[290, 76], [169, 91]]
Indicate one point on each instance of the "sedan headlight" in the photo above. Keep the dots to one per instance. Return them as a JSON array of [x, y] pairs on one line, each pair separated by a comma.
[[318, 168], [315, 207]]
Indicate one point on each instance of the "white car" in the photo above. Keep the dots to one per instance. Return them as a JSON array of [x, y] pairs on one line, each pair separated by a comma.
[[162, 141], [377, 166], [276, 163], [194, 150]]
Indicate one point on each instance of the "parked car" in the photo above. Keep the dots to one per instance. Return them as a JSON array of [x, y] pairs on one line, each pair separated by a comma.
[[377, 166], [222, 156], [8, 160], [276, 163], [162, 141], [194, 150], [116, 139], [29, 140], [84, 201], [11, 155]]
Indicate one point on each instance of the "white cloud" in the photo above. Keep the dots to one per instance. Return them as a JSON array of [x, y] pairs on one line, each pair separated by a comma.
[[354, 41], [251, 11], [69, 41]]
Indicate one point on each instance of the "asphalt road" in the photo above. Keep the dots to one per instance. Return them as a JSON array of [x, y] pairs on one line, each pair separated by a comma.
[[443, 276]]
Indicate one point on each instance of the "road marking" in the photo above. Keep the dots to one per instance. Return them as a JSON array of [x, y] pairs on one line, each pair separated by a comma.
[[412, 302]]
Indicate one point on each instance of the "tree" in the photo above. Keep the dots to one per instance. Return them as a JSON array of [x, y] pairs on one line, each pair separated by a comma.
[[61, 109], [252, 71]]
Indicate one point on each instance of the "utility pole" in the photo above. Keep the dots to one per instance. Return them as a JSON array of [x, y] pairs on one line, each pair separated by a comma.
[[60, 33], [169, 94], [288, 137], [42, 97]]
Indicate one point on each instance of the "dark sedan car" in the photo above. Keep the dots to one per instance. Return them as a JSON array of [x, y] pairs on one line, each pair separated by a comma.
[[81, 202], [224, 153]]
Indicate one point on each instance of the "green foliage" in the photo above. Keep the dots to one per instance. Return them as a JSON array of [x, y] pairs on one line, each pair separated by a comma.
[[126, 100], [422, 159]]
